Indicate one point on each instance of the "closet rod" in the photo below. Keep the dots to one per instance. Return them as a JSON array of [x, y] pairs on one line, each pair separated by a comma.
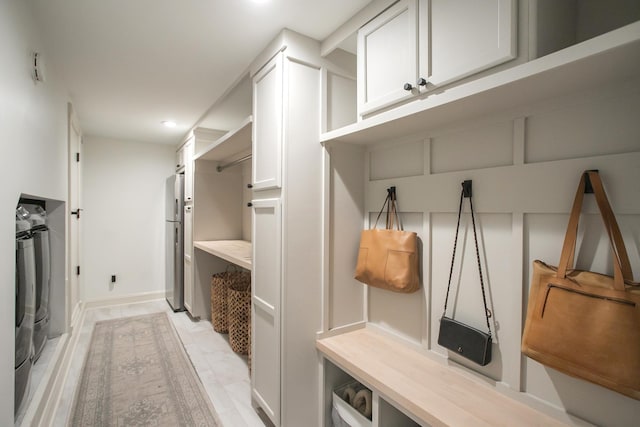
[[235, 162]]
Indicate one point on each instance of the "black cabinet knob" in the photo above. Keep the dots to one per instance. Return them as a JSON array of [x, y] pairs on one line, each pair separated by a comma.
[[249, 204], [408, 87], [249, 185], [422, 81]]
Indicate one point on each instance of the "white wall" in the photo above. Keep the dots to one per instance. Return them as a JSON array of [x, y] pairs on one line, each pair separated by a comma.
[[32, 126], [123, 230]]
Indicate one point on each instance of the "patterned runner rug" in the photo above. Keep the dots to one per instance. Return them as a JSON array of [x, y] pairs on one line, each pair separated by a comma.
[[137, 373]]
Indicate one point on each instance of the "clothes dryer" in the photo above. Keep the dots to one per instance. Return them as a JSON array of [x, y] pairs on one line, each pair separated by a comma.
[[40, 233], [25, 306]]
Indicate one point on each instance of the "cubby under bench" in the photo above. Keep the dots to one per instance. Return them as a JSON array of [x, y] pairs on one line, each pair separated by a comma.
[[412, 388]]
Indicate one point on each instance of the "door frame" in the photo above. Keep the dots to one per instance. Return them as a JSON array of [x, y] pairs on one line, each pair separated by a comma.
[[74, 225]]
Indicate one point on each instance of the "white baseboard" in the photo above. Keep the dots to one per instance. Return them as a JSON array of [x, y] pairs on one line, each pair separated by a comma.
[[76, 313], [125, 299]]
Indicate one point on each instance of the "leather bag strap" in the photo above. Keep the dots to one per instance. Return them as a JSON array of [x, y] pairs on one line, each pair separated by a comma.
[[487, 312], [386, 202], [392, 217], [621, 264]]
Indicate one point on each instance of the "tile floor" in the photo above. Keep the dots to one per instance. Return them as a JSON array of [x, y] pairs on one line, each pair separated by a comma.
[[224, 373]]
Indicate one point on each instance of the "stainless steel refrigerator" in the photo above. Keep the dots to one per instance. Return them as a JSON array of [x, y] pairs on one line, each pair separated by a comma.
[[174, 240]]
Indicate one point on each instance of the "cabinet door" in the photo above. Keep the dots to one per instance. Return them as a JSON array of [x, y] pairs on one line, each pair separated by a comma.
[[265, 307], [180, 158], [267, 126], [387, 57], [188, 170], [466, 37], [188, 261], [188, 285]]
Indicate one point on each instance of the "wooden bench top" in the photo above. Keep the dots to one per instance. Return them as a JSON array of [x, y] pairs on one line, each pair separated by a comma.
[[424, 388]]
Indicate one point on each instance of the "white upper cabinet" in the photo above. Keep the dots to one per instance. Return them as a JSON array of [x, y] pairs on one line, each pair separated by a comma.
[[388, 57], [466, 37], [416, 46], [180, 158], [267, 126]]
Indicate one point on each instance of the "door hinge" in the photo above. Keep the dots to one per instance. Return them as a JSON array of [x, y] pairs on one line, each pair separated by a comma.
[[77, 270], [77, 157]]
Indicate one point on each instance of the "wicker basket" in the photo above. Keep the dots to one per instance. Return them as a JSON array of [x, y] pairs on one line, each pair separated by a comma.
[[220, 282], [239, 314]]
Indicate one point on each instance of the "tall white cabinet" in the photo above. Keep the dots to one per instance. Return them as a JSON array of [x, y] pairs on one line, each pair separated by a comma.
[[287, 229]]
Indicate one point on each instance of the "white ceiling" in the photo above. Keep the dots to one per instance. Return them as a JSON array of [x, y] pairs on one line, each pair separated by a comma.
[[129, 64]]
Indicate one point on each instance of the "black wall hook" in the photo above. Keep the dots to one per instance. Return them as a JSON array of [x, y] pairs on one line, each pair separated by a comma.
[[391, 192], [588, 189], [466, 188]]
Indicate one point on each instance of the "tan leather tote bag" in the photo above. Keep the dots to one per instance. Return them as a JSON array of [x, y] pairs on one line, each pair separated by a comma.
[[388, 258], [582, 323]]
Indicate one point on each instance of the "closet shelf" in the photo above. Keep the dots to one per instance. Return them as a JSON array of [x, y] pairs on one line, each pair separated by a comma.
[[234, 142], [427, 390], [609, 58], [237, 252]]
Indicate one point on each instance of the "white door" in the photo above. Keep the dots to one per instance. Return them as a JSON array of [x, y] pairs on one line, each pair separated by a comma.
[[267, 126], [74, 207], [265, 307], [388, 57], [466, 37]]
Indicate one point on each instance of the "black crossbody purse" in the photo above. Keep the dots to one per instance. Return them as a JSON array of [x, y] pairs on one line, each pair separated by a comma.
[[462, 339]]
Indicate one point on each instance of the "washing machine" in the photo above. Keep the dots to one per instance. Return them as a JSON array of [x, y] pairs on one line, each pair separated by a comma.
[[40, 233], [25, 305]]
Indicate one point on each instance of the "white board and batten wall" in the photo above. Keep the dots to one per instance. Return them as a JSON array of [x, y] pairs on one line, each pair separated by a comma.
[[525, 161], [525, 171]]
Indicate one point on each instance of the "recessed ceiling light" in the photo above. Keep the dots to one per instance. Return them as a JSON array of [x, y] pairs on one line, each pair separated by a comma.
[[169, 123], [260, 1]]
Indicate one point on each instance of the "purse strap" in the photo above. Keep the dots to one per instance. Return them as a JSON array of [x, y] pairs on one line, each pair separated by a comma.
[[622, 267], [392, 211], [466, 192]]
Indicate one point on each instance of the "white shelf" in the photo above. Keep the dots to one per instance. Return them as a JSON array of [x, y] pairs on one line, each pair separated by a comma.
[[427, 390], [235, 251], [233, 142], [611, 57]]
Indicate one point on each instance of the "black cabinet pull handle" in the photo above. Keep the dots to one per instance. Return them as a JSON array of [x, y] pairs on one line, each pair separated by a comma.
[[408, 87], [249, 185], [249, 204], [422, 81]]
